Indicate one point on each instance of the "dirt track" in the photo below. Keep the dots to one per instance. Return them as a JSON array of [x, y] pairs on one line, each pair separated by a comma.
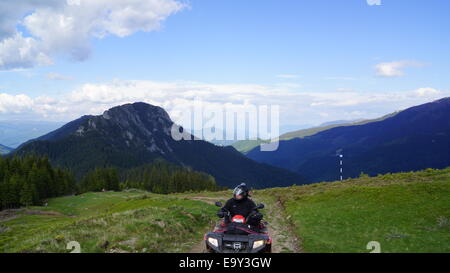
[[283, 239]]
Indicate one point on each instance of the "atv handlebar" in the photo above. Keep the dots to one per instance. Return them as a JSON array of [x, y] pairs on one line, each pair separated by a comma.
[[259, 206], [224, 212]]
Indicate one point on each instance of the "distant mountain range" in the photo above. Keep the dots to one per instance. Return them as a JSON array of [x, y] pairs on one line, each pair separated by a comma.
[[4, 150], [413, 139], [132, 135], [15, 132], [244, 146]]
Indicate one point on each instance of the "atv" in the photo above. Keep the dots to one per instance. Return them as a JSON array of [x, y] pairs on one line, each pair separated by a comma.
[[236, 236]]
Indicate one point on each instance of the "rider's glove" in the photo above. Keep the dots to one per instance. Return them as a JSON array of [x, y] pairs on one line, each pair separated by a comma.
[[221, 214], [256, 216]]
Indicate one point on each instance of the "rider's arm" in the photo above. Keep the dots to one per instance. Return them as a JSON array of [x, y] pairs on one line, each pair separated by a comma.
[[252, 205], [223, 211], [228, 205]]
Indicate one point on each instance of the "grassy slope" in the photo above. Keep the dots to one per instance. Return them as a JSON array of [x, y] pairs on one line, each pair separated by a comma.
[[110, 222], [405, 212]]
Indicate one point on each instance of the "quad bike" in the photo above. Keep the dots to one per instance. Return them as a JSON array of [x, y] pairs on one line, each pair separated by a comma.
[[236, 236]]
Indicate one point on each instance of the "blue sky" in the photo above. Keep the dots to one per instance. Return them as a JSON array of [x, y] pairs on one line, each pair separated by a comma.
[[310, 48]]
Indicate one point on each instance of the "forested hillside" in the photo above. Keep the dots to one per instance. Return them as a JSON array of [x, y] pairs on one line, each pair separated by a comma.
[[159, 177], [29, 180], [162, 177]]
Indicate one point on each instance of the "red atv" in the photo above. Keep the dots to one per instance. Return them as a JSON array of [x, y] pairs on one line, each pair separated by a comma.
[[236, 236]]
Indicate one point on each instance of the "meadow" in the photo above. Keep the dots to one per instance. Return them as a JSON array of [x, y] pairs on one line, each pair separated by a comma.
[[403, 212]]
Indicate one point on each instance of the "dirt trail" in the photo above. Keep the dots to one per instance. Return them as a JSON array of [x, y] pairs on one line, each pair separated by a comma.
[[280, 229], [198, 248], [209, 200], [9, 214]]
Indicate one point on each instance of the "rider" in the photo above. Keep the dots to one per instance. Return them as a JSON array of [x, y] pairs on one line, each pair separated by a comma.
[[241, 204]]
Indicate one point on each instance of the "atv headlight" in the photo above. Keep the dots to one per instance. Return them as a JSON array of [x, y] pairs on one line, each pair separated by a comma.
[[213, 241], [257, 244]]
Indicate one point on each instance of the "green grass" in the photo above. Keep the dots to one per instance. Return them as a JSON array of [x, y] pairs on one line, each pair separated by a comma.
[[110, 222], [404, 212]]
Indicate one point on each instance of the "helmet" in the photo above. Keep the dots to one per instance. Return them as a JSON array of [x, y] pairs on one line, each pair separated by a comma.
[[241, 190]]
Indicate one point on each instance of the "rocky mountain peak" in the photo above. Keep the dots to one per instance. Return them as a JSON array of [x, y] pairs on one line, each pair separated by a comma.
[[131, 119], [133, 111]]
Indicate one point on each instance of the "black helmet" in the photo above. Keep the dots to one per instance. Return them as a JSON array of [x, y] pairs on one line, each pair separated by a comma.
[[241, 189]]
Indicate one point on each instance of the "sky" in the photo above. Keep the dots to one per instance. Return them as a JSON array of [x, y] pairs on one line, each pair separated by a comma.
[[319, 60]]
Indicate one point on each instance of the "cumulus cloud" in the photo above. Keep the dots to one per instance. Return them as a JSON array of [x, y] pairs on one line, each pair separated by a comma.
[[427, 92], [297, 107], [11, 12], [58, 27], [394, 69], [19, 52]]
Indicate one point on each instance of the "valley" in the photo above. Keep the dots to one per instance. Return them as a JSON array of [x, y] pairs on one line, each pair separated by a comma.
[[4, 149]]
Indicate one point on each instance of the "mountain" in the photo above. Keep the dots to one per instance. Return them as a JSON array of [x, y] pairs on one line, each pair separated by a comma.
[[328, 125], [413, 139], [333, 122], [199, 134], [132, 135], [244, 146], [4, 150], [15, 132]]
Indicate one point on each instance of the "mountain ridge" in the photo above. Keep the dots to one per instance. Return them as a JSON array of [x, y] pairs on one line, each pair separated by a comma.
[[244, 146], [413, 139], [131, 135]]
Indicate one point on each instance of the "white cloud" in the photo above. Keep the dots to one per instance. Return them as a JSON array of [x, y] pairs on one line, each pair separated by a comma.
[[296, 106], [394, 69], [59, 27], [427, 92], [11, 12], [20, 52], [15, 103]]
